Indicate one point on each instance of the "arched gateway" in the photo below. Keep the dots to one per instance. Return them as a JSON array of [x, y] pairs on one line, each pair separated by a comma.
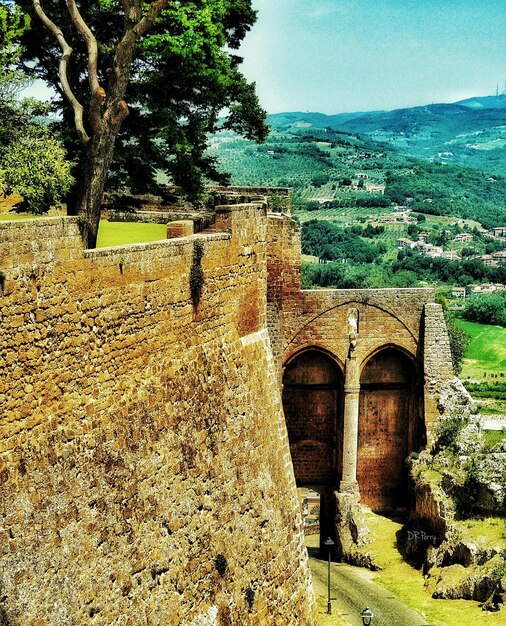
[[313, 405], [312, 401], [362, 371], [390, 428], [382, 403]]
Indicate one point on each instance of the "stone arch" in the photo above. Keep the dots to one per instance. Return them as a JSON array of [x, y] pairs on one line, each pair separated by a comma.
[[325, 311], [390, 426], [313, 382], [312, 346], [312, 401]]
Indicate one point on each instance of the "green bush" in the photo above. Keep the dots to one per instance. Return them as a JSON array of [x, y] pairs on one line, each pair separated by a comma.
[[196, 272], [447, 432], [459, 341], [35, 167], [486, 309]]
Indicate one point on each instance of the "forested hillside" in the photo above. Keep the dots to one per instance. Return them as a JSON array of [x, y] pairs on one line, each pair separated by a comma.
[[330, 169], [356, 199], [471, 132]]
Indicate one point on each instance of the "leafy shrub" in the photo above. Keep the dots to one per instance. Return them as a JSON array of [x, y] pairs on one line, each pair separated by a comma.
[[486, 309], [459, 341], [35, 166], [447, 432], [196, 272]]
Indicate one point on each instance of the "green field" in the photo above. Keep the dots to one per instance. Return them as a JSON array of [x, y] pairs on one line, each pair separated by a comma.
[[485, 362], [121, 233], [486, 353]]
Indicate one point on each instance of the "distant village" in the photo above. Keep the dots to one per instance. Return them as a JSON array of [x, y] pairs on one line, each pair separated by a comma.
[[493, 260], [427, 249]]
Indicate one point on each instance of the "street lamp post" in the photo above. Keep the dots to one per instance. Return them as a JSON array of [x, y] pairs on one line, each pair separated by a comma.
[[329, 543], [366, 616]]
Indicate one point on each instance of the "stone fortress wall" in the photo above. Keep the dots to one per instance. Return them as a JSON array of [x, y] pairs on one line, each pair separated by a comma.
[[145, 466], [145, 473], [361, 373]]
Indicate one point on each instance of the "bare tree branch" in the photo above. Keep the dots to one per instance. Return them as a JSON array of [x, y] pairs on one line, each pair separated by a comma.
[[62, 70], [134, 27], [154, 11], [140, 24], [97, 92], [91, 44]]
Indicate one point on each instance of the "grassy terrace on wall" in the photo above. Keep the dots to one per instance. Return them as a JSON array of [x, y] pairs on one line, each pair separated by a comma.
[[111, 233]]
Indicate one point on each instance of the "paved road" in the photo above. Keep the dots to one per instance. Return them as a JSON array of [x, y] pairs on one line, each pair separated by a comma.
[[353, 590]]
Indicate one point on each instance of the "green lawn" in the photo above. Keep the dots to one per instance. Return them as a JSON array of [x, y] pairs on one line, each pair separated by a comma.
[[491, 439], [121, 233], [485, 362], [486, 352], [111, 233]]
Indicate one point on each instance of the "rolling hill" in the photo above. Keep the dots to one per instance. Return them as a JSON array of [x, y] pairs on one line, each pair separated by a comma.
[[333, 169], [471, 132]]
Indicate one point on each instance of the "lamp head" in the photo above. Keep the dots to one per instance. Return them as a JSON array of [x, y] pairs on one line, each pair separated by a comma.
[[367, 616]]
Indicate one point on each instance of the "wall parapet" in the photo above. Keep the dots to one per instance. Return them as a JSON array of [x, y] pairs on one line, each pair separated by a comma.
[[201, 219], [40, 240], [139, 249], [279, 199]]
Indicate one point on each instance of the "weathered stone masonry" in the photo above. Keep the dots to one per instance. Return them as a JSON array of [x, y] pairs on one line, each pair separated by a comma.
[[361, 372], [145, 473], [145, 467]]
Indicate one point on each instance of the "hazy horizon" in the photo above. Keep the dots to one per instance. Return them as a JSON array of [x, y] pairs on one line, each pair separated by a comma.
[[340, 56]]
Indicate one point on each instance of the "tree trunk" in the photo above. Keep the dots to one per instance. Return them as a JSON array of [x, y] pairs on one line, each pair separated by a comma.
[[98, 156], [107, 110]]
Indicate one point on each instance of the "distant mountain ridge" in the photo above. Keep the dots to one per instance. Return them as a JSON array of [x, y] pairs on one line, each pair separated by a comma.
[[471, 132], [485, 102]]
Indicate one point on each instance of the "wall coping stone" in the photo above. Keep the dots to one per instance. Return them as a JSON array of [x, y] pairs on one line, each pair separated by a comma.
[[153, 245], [366, 292], [19, 224], [229, 208]]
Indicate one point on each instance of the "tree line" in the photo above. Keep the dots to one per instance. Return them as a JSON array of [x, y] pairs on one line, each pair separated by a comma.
[[330, 242]]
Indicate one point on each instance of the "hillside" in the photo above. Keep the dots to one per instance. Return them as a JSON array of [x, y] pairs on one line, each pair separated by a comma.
[[355, 199], [470, 132], [330, 169]]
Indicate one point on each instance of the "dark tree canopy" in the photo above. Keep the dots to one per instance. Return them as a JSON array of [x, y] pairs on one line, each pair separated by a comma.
[[152, 79]]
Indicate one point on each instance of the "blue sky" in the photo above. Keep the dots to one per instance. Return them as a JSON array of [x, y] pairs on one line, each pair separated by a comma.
[[335, 56]]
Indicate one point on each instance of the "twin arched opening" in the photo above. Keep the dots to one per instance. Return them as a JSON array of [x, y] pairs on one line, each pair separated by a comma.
[[389, 422], [312, 400]]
